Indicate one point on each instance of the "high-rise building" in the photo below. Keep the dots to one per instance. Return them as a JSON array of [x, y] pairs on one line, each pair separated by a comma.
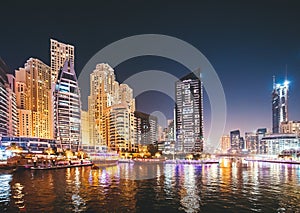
[[85, 130], [4, 99], [225, 143], [34, 97], [59, 53], [121, 128], [111, 106], [251, 139], [235, 141], [104, 92], [189, 114], [146, 128], [279, 104], [170, 130], [67, 108], [290, 127], [161, 133], [12, 106], [261, 132]]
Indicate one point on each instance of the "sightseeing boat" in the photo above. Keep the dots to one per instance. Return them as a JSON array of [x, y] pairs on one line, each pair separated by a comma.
[[101, 156], [63, 165], [149, 160], [103, 159], [125, 160]]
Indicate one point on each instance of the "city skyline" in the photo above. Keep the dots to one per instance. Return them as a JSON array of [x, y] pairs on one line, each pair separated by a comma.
[[277, 87], [150, 106], [246, 48]]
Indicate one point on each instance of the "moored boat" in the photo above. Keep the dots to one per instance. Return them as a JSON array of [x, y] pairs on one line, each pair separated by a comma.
[[63, 165], [101, 156], [149, 160], [104, 159], [124, 160], [183, 161]]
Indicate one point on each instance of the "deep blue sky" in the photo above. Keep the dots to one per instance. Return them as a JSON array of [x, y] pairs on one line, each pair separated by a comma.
[[247, 43]]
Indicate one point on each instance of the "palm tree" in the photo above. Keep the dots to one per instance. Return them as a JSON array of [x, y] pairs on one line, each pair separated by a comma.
[[81, 154], [68, 153], [14, 148], [49, 151]]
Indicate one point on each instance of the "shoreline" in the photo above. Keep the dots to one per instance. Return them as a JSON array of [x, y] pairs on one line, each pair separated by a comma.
[[274, 161]]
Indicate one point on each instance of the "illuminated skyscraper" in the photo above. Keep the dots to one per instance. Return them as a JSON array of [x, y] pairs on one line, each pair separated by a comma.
[[67, 108], [121, 128], [33, 97], [12, 106], [261, 132], [3, 99], [235, 141], [146, 128], [225, 143], [59, 53], [111, 107], [279, 104], [104, 92], [189, 114], [85, 130]]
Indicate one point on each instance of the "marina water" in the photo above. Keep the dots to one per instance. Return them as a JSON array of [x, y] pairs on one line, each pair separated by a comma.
[[260, 187]]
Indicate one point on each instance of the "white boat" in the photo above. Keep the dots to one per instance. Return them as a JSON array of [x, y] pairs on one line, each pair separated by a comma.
[[124, 160], [104, 159], [101, 157], [149, 160]]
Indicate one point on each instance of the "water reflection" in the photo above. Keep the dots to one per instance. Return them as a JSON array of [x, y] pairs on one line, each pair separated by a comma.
[[260, 187], [5, 190], [140, 171], [78, 202], [190, 199]]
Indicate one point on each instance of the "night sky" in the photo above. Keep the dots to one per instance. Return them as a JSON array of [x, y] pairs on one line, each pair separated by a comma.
[[247, 43]]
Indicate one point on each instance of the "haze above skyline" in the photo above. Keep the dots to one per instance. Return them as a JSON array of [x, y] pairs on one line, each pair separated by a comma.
[[247, 43]]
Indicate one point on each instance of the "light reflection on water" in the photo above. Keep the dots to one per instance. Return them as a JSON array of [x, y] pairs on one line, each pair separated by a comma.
[[260, 187], [5, 190]]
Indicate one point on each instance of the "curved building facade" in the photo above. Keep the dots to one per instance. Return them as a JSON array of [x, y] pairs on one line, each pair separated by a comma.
[[67, 107], [3, 99]]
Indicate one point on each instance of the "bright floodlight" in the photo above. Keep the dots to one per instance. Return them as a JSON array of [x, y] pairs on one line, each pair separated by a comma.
[[286, 82]]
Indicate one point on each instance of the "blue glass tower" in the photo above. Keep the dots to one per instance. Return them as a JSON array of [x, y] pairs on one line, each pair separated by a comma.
[[279, 104]]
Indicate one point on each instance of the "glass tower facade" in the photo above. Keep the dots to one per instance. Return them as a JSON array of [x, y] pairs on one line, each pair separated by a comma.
[[279, 105], [67, 108], [3, 99], [146, 128], [189, 114]]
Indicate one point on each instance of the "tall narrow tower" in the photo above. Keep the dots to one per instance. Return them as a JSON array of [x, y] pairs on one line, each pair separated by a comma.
[[189, 114], [279, 104], [67, 108]]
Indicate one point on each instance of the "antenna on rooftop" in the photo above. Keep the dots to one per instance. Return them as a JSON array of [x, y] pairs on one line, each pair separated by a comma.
[[286, 72]]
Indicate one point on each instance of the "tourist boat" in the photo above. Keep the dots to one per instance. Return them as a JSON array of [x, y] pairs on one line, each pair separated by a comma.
[[183, 161], [7, 169], [149, 160], [124, 160], [103, 159], [63, 165], [101, 156]]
